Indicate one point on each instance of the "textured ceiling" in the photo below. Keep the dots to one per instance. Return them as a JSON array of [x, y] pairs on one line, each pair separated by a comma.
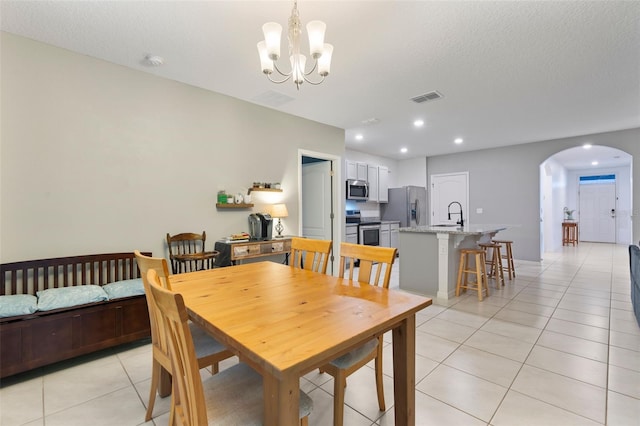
[[510, 72]]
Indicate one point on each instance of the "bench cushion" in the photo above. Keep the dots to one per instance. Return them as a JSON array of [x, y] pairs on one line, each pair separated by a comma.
[[125, 288], [63, 297], [17, 304]]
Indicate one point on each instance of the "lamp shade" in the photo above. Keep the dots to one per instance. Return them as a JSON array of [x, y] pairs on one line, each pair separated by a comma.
[[272, 32], [279, 210], [324, 62], [265, 63], [316, 30]]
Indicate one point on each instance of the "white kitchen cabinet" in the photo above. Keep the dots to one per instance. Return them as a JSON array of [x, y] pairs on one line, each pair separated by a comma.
[[385, 235], [372, 174], [351, 234], [361, 169], [356, 170], [394, 234], [383, 184], [352, 170], [378, 184]]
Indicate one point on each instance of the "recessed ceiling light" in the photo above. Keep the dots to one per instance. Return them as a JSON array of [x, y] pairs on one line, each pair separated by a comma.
[[587, 146], [594, 163], [418, 123], [458, 141], [359, 137], [403, 150]]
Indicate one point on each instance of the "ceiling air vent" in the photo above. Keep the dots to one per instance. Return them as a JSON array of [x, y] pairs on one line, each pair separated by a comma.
[[272, 98], [431, 96]]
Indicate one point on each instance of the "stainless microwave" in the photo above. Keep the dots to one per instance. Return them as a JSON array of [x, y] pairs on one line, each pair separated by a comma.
[[357, 190]]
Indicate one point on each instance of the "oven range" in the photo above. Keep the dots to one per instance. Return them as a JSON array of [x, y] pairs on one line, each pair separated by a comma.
[[368, 228]]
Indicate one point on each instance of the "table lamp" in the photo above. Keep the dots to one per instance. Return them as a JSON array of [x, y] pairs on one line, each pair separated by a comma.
[[279, 211]]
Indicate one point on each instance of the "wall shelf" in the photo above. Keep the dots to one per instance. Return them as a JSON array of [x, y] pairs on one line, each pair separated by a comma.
[[233, 206], [264, 190]]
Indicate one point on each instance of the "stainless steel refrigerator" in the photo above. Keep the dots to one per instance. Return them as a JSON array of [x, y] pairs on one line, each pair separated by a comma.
[[408, 205]]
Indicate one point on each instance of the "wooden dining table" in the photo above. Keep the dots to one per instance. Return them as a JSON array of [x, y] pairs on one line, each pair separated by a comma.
[[285, 322]]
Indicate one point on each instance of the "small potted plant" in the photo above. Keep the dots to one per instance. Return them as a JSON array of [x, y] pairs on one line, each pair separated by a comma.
[[568, 214]]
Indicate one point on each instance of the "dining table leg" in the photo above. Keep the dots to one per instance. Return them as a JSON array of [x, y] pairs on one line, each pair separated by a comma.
[[281, 399], [404, 371]]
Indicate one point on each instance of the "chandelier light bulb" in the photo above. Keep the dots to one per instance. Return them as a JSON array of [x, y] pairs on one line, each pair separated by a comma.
[[272, 34], [316, 30], [265, 63], [324, 61], [298, 63]]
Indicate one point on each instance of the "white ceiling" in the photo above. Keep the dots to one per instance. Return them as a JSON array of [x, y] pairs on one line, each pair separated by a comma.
[[510, 72]]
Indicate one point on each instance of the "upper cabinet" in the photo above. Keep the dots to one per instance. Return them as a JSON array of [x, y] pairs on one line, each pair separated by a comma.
[[378, 184], [372, 174], [377, 176], [357, 170], [383, 184]]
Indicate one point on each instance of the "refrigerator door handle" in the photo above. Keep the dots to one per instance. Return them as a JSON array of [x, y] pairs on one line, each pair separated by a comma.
[[417, 212]]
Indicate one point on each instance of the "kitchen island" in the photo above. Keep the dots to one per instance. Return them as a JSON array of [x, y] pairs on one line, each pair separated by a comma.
[[430, 257]]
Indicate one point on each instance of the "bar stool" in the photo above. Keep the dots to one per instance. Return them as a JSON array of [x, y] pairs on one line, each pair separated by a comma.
[[465, 268], [493, 259], [507, 255]]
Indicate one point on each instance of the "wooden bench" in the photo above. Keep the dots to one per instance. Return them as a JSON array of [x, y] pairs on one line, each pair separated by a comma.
[[44, 337]]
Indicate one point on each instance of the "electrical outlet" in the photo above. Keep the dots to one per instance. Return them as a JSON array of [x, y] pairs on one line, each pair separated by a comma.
[[479, 210]]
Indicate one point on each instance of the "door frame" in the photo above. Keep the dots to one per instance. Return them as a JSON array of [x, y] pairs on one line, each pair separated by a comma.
[[338, 221], [615, 196], [431, 194]]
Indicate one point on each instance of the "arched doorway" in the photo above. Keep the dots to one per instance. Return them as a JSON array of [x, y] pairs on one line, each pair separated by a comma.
[[561, 177]]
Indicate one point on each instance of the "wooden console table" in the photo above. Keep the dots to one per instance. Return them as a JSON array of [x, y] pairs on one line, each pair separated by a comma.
[[232, 253], [569, 233]]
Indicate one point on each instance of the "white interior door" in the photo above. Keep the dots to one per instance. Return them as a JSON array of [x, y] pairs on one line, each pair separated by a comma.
[[316, 200], [598, 213], [445, 189]]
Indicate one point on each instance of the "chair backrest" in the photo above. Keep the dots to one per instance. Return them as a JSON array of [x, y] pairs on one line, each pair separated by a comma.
[[310, 254], [368, 256], [190, 405], [159, 266], [185, 243]]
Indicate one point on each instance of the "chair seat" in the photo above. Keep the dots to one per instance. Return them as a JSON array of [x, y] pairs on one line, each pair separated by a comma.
[[205, 345], [350, 358], [235, 397]]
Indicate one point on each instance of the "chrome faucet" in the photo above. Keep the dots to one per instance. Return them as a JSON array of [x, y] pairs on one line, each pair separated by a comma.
[[461, 221]]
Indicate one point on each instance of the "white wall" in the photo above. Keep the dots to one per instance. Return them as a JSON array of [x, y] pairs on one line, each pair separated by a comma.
[[505, 182], [554, 194], [412, 172], [97, 157]]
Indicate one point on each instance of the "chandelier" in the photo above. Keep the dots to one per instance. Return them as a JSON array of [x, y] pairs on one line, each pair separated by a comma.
[[269, 50]]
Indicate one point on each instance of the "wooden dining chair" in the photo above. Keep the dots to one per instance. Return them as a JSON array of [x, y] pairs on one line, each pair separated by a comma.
[[372, 259], [208, 350], [187, 252], [310, 254], [234, 396]]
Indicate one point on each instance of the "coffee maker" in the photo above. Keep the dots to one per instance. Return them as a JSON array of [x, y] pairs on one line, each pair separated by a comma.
[[260, 226]]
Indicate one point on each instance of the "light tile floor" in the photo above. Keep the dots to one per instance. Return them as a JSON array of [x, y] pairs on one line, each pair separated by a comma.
[[558, 345]]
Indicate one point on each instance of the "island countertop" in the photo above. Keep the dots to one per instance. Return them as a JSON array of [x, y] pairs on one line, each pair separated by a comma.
[[431, 255], [470, 229]]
